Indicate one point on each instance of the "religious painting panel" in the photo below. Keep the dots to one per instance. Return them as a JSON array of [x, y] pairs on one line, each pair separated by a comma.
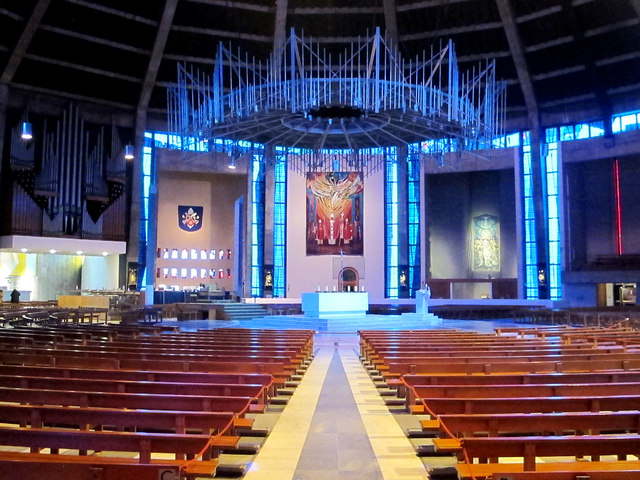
[[334, 202], [486, 243]]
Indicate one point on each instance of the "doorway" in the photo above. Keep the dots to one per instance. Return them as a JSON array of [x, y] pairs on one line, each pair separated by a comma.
[[348, 280]]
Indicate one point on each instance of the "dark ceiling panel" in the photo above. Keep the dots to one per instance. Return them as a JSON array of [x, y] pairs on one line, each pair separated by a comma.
[[107, 58], [78, 83], [591, 15], [124, 28], [565, 86], [615, 43], [101, 49], [11, 29]]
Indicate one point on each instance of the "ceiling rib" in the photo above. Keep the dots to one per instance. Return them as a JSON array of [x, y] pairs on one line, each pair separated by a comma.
[[519, 60], [212, 32], [279, 32], [156, 55], [391, 24], [25, 39], [583, 55], [237, 5]]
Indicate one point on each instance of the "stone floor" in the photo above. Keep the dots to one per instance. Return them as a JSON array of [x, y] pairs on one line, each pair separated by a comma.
[[336, 425]]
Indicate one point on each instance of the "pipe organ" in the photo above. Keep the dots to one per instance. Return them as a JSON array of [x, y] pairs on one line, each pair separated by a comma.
[[67, 178]]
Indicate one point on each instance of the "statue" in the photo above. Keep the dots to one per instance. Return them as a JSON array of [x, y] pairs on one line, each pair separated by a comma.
[[422, 299]]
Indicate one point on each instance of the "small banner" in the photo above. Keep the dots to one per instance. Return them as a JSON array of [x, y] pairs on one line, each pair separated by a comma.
[[189, 218]]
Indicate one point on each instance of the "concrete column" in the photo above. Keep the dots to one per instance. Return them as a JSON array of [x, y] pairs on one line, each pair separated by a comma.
[[4, 99]]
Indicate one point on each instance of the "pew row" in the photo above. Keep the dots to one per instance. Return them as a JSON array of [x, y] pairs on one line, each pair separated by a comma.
[[530, 447], [494, 425], [590, 390], [280, 372], [238, 405], [143, 445]]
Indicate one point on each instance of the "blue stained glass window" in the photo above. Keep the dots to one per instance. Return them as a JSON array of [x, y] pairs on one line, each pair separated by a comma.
[[257, 223], [146, 161], [391, 223], [553, 220], [582, 131], [413, 207], [596, 129], [279, 225], [566, 133], [513, 140], [147, 165], [531, 257]]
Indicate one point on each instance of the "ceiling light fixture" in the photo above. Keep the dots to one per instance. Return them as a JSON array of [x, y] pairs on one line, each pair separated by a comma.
[[128, 152], [311, 114], [26, 131]]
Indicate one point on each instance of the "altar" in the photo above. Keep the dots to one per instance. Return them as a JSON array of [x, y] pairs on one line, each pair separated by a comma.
[[323, 304]]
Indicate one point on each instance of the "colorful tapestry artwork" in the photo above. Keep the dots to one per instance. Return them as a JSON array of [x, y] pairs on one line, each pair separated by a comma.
[[486, 243], [334, 213]]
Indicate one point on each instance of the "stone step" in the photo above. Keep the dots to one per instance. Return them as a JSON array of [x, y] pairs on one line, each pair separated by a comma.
[[279, 400], [418, 433], [286, 391], [394, 402], [387, 392]]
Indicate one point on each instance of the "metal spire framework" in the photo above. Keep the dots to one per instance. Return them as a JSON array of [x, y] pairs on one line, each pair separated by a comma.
[[339, 113]]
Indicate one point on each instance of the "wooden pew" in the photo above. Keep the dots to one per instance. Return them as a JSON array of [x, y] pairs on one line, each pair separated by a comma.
[[591, 390], [488, 351], [496, 359], [576, 474], [86, 418], [396, 370], [238, 405], [530, 405], [493, 425], [198, 352], [138, 375], [176, 356], [141, 443], [528, 448], [280, 372], [82, 340], [405, 384], [523, 379], [256, 391], [63, 467]]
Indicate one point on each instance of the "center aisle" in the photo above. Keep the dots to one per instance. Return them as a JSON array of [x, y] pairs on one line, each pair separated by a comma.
[[336, 426]]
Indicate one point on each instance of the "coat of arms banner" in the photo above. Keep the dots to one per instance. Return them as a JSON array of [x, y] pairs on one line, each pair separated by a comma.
[[190, 218]]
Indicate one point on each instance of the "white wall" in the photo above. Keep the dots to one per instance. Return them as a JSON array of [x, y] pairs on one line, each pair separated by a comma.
[[100, 273], [306, 273]]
